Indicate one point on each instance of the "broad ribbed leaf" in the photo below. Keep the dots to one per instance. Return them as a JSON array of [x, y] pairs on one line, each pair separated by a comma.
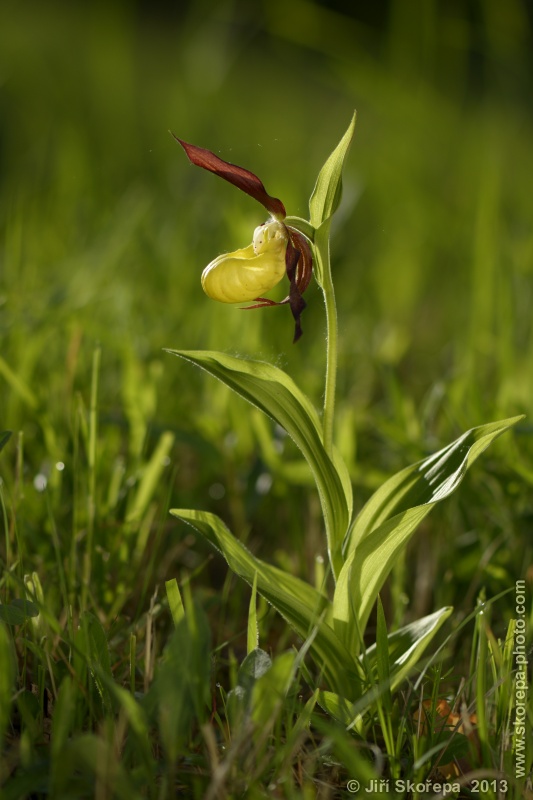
[[405, 646], [297, 601], [389, 519], [275, 393], [326, 195], [427, 481], [399, 654]]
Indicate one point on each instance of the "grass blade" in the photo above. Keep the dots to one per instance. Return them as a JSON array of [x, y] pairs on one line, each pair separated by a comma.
[[253, 630], [7, 676], [175, 601]]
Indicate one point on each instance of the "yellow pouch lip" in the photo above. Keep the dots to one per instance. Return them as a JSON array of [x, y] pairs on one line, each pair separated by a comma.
[[242, 276]]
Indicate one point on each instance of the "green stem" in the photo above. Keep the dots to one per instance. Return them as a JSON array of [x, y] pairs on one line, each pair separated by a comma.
[[322, 247]]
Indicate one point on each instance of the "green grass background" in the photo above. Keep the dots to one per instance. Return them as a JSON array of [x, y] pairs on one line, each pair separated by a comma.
[[105, 229]]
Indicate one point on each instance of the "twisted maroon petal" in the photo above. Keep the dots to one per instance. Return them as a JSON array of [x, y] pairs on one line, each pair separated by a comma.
[[299, 268], [305, 263], [241, 178], [296, 302]]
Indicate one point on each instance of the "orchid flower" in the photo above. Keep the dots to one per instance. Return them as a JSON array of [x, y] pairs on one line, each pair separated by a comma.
[[276, 250]]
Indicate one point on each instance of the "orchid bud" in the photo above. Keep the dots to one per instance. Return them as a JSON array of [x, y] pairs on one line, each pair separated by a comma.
[[246, 274]]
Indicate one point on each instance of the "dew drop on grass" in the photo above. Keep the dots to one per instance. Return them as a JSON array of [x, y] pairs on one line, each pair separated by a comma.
[[40, 482], [263, 483], [60, 466], [230, 440]]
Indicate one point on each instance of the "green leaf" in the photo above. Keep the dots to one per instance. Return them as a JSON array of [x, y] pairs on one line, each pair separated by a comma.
[[256, 664], [305, 609], [389, 519], [350, 714], [182, 681], [275, 393], [301, 225], [383, 657], [28, 607], [62, 724], [269, 691], [326, 195], [451, 746], [18, 611], [405, 646], [427, 481], [89, 754], [300, 728], [135, 714], [64, 709], [175, 602], [97, 654], [253, 629], [7, 677], [337, 707], [151, 477], [4, 438], [393, 656]]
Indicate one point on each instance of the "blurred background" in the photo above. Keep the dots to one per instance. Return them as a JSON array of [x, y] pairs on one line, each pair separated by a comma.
[[106, 227]]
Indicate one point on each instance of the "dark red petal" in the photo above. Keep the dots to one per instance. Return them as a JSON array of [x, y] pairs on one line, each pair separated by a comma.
[[264, 302], [305, 263], [296, 301], [241, 178], [299, 268]]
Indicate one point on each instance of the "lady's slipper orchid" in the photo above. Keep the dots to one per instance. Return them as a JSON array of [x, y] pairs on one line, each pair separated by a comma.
[[276, 250]]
